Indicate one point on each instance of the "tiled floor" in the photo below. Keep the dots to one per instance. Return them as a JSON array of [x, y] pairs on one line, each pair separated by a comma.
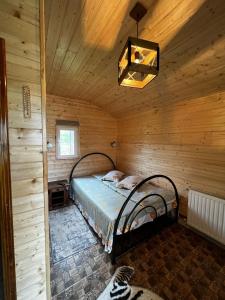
[[81, 276], [176, 264], [69, 233]]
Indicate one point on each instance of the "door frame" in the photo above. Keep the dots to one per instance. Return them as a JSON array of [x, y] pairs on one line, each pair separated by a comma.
[[6, 216]]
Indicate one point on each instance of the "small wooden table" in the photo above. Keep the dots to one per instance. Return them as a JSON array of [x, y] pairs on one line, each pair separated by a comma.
[[58, 195]]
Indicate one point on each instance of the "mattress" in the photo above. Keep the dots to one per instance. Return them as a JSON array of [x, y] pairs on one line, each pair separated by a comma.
[[100, 203]]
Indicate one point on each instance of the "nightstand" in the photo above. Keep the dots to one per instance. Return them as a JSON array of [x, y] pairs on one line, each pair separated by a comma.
[[58, 194]]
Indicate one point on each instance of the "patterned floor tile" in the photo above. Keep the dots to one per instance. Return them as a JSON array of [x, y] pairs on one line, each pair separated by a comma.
[[176, 264], [69, 233]]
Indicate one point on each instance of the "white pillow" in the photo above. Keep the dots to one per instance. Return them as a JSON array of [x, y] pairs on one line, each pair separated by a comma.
[[129, 182], [114, 175]]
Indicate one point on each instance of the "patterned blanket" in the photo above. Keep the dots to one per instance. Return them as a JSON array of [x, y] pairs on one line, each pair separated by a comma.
[[100, 203]]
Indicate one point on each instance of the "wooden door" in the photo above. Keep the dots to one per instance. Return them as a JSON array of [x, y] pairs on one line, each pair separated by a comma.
[[6, 220]]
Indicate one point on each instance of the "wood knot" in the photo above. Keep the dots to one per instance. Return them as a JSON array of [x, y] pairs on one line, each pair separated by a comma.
[[17, 14]]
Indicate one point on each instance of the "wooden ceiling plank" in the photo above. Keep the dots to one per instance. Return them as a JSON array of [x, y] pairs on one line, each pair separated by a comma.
[[76, 48], [192, 60], [95, 24], [70, 24], [164, 37], [199, 66], [54, 28], [154, 28], [88, 73]]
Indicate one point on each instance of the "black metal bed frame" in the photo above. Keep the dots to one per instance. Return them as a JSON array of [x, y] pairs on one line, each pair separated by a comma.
[[129, 238]]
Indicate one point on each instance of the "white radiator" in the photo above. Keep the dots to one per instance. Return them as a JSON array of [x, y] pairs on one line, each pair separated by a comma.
[[207, 214]]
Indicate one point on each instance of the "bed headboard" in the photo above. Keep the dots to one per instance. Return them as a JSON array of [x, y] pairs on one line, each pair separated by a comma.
[[89, 154]]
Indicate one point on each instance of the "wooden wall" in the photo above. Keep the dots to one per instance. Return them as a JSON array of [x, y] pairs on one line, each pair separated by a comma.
[[184, 140], [19, 26], [97, 130]]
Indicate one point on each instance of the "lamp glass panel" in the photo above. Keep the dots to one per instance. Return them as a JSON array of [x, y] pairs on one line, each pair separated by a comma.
[[123, 62], [134, 81], [143, 56], [137, 76]]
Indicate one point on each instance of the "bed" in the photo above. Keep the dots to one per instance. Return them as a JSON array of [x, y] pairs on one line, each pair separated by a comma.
[[120, 217]]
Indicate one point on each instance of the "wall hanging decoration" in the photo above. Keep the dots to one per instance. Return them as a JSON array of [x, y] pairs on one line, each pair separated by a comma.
[[26, 102], [139, 61]]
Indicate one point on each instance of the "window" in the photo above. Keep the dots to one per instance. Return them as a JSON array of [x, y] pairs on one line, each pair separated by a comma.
[[67, 139]]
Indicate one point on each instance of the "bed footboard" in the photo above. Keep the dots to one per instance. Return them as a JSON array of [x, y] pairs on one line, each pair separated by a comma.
[[128, 237]]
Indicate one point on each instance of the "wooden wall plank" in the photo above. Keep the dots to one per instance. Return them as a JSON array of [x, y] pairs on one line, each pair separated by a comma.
[[26, 203], [27, 187], [25, 137], [16, 120], [26, 235], [97, 130], [23, 154], [23, 12], [30, 170], [24, 250], [19, 26], [29, 218], [16, 102], [184, 140]]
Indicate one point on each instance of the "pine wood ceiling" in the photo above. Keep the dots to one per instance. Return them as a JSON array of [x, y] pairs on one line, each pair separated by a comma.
[[84, 39]]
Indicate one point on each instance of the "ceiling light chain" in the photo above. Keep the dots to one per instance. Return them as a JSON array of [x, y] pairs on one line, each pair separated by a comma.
[[137, 29]]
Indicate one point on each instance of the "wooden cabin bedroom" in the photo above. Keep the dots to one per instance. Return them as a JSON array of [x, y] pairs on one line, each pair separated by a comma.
[[112, 117]]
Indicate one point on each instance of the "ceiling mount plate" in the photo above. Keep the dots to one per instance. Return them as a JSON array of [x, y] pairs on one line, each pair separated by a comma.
[[138, 12]]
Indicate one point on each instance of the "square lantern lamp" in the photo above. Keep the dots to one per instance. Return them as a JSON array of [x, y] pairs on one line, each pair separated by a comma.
[[138, 63]]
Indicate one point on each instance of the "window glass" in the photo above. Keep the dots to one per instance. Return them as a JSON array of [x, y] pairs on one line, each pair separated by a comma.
[[67, 141]]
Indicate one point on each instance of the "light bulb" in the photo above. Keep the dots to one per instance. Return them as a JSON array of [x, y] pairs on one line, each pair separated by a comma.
[[138, 57]]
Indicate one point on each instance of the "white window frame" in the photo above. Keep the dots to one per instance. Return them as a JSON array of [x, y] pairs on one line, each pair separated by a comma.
[[76, 141]]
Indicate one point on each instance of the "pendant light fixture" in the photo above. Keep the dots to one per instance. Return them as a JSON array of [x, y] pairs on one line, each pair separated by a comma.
[[139, 60]]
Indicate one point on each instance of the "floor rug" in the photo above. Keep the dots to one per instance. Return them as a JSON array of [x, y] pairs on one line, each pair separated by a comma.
[[119, 287], [69, 233]]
